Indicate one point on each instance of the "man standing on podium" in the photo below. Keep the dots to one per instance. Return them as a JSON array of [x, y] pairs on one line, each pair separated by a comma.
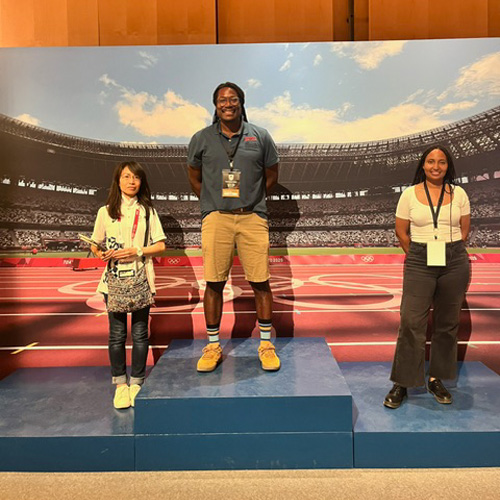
[[232, 165]]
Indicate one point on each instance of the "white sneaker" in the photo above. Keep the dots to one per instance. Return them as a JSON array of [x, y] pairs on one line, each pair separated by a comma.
[[122, 397], [134, 390]]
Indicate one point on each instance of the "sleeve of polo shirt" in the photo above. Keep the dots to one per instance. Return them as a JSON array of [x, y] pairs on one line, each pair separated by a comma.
[[270, 151], [195, 152], [403, 208], [156, 229], [99, 233]]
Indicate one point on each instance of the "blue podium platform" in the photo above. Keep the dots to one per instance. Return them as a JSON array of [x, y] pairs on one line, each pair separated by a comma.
[[422, 432], [62, 419], [310, 414], [240, 417]]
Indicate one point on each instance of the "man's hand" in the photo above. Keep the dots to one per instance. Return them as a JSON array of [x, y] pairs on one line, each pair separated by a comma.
[[194, 176], [271, 177]]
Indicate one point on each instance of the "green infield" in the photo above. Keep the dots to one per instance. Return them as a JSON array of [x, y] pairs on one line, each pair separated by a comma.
[[273, 251]]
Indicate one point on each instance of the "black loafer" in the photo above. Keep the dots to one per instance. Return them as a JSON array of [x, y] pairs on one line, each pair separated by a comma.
[[438, 390], [395, 397]]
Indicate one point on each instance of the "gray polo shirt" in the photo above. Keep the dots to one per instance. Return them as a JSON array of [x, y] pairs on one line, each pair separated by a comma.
[[255, 153]]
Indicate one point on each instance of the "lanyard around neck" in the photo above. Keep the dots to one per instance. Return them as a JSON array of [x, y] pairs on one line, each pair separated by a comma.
[[435, 213], [134, 226], [230, 151]]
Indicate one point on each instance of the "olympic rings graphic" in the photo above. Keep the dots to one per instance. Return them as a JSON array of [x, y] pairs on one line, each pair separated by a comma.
[[367, 258]]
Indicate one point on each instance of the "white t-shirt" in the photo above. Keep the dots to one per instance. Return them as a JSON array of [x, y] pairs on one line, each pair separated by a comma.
[[420, 216], [117, 233]]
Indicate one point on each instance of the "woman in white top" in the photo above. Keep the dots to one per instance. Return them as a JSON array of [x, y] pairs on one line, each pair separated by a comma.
[[432, 225], [121, 227]]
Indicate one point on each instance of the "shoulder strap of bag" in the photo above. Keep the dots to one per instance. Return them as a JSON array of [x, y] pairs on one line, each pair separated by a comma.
[[146, 234]]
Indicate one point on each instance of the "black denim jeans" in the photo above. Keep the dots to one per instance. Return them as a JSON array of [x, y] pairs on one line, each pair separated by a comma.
[[140, 345], [423, 286]]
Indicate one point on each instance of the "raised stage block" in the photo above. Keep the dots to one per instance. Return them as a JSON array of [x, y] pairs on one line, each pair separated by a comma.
[[62, 419], [242, 417], [422, 432]]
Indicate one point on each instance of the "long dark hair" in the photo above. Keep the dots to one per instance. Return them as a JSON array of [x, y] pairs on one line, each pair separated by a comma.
[[114, 200], [239, 93], [450, 176]]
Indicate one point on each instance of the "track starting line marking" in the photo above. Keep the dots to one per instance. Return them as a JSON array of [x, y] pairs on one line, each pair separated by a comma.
[[35, 347], [25, 348]]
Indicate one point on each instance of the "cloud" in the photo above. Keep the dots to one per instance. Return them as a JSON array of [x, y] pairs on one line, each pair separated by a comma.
[[169, 115], [288, 63], [479, 79], [147, 60], [253, 83], [109, 82], [27, 118], [457, 106], [288, 122], [345, 108], [368, 55], [317, 60]]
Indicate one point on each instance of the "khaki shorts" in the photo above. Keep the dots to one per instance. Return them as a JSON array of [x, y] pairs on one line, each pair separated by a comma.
[[221, 231]]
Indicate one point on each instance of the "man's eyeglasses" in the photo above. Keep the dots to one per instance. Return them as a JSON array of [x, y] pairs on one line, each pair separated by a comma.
[[230, 100]]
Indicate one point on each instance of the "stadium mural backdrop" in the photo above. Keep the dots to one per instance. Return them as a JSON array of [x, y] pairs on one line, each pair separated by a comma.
[[350, 121]]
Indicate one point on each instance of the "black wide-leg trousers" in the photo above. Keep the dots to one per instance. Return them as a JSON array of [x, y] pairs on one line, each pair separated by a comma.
[[443, 287]]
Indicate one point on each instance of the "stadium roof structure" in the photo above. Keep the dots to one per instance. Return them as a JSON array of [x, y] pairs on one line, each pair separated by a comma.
[[41, 154]]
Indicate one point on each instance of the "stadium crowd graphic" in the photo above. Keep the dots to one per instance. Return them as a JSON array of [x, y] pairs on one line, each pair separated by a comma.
[[330, 195]]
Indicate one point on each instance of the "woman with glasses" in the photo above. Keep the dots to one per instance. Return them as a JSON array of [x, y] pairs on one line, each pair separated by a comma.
[[128, 233]]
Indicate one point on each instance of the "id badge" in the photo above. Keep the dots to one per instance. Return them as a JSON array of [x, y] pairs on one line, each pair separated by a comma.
[[126, 273], [231, 183], [436, 253]]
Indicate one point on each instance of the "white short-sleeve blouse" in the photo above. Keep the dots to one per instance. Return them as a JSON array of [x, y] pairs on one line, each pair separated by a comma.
[[420, 216], [117, 233]]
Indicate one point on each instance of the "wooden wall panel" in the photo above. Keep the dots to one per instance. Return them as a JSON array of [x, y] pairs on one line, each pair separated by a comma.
[[275, 21], [128, 22], [341, 20], [25, 23], [413, 19], [34, 23], [398, 19], [458, 19], [361, 9], [494, 18], [83, 22], [17, 23], [51, 22], [44, 23], [189, 22]]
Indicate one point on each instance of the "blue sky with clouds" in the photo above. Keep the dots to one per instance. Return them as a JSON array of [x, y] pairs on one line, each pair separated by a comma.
[[317, 92]]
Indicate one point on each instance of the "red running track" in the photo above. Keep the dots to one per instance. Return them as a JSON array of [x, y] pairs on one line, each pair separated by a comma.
[[53, 317]]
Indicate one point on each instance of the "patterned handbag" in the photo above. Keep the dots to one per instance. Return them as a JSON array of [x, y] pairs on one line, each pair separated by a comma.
[[131, 293]]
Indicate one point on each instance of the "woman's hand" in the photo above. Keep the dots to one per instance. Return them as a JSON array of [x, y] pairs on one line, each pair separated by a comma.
[[125, 254], [105, 256]]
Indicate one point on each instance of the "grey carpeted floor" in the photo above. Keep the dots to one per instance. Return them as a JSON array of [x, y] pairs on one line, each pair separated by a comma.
[[475, 484]]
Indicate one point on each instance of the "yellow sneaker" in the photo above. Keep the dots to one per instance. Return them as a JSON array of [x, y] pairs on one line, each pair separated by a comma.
[[122, 397], [267, 355], [212, 355], [133, 391]]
